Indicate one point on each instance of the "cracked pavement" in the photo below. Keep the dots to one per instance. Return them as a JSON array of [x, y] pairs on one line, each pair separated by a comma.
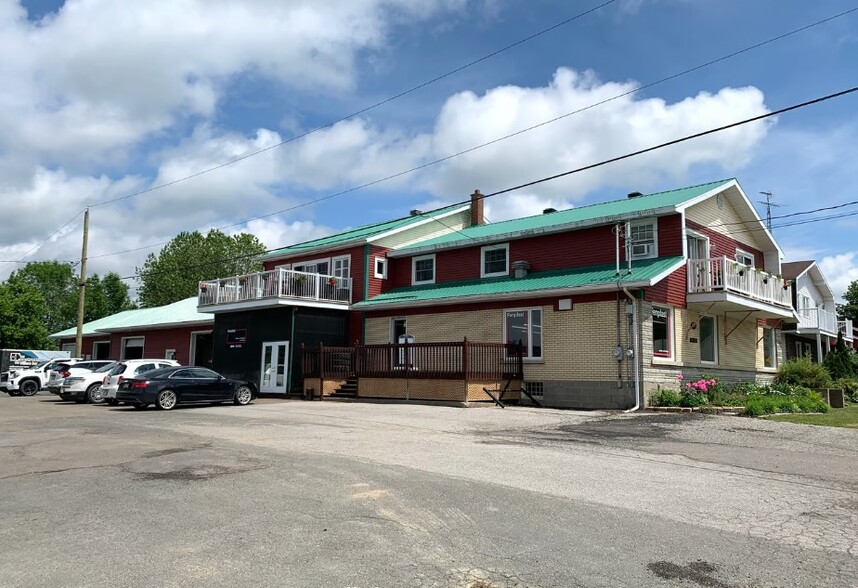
[[292, 493]]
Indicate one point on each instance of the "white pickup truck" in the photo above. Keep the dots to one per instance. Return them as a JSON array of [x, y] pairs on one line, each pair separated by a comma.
[[24, 381]]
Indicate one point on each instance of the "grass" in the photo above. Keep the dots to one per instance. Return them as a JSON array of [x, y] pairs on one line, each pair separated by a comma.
[[836, 417]]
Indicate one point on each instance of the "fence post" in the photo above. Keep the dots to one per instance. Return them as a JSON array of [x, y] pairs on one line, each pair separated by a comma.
[[465, 368]]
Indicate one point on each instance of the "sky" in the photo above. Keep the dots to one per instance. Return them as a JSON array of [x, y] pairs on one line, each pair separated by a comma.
[[104, 99]]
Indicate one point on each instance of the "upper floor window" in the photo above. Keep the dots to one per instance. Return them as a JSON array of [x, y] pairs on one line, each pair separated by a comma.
[[423, 269], [494, 260], [317, 266], [342, 266], [381, 267], [745, 258], [643, 239]]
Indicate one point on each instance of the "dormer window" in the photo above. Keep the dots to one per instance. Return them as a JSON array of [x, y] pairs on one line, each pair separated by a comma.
[[494, 260], [423, 270], [643, 239]]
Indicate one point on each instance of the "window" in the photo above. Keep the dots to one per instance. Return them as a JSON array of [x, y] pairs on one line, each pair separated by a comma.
[[494, 260], [381, 267], [203, 373], [342, 266], [182, 374], [146, 367], [769, 348], [317, 266], [643, 239], [423, 270], [132, 348], [708, 339], [662, 332], [803, 349], [70, 347], [101, 350], [524, 327], [745, 258], [170, 354]]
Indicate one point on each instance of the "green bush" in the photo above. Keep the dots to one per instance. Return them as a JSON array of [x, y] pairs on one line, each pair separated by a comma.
[[849, 387], [694, 400], [665, 397], [759, 404], [838, 362], [803, 372]]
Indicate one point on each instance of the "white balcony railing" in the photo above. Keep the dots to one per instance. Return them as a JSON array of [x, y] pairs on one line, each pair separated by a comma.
[[276, 284], [817, 318], [845, 327], [720, 274]]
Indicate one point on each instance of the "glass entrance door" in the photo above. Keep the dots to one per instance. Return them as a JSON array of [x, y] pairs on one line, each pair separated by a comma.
[[275, 364]]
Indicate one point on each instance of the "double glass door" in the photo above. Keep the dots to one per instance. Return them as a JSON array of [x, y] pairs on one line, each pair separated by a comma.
[[275, 365]]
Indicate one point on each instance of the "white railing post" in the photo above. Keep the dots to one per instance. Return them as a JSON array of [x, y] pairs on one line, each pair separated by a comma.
[[318, 286]]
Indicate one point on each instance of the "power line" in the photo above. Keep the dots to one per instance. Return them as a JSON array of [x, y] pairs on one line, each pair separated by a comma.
[[510, 135], [45, 240], [365, 109], [639, 152]]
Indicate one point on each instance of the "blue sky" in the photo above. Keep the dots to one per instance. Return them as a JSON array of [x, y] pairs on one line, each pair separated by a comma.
[[109, 100]]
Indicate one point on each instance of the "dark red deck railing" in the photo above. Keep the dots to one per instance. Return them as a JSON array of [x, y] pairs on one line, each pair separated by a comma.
[[457, 360]]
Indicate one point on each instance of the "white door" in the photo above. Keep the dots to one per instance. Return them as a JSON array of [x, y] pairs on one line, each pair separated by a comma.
[[275, 367]]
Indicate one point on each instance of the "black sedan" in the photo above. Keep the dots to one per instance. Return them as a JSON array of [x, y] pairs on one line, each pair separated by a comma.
[[165, 388]]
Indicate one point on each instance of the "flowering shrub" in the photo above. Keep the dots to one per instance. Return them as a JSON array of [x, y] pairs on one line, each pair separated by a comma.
[[701, 385]]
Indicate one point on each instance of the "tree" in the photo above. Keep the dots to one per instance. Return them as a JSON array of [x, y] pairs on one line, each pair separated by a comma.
[[56, 283], [174, 274], [838, 362], [22, 307], [850, 309], [104, 296]]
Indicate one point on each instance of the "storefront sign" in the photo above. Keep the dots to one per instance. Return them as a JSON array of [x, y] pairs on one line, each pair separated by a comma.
[[659, 313], [235, 338]]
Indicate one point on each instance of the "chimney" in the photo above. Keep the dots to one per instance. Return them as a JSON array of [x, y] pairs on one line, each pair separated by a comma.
[[634, 194], [520, 269], [548, 210], [477, 207], [416, 212]]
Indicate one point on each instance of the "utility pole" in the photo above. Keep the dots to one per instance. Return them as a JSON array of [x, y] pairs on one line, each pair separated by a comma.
[[82, 292], [769, 204]]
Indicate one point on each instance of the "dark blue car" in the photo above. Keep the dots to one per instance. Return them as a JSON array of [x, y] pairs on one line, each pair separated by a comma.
[[166, 388]]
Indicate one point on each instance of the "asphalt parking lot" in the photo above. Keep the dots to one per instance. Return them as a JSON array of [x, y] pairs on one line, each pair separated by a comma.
[[310, 494]]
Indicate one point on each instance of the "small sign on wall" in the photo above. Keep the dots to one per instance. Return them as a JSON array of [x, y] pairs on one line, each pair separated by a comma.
[[236, 338]]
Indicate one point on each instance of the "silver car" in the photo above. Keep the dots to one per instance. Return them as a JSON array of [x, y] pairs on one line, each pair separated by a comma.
[[129, 369], [57, 376]]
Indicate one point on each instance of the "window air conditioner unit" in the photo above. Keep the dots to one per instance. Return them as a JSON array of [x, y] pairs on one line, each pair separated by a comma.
[[642, 250]]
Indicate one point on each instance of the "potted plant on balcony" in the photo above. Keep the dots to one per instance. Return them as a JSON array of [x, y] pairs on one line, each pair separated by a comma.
[[332, 281], [740, 269]]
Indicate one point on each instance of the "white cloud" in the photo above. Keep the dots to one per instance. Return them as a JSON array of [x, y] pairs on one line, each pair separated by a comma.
[[840, 270]]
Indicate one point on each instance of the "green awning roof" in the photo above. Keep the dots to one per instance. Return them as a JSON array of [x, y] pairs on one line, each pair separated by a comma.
[[170, 315], [645, 271], [615, 208]]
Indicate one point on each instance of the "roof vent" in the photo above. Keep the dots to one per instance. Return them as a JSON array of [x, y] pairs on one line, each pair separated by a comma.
[[416, 212], [520, 268], [548, 210], [634, 194]]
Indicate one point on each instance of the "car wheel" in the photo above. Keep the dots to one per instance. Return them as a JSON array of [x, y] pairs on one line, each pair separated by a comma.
[[111, 401], [167, 399], [243, 395], [94, 394], [29, 387]]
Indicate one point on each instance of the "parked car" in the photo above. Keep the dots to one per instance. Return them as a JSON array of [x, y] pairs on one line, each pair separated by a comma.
[[85, 386], [169, 387], [129, 369], [64, 370], [28, 381]]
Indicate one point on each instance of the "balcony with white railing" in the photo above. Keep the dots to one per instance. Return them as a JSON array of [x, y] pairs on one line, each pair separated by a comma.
[[721, 279], [274, 287], [845, 327], [817, 319]]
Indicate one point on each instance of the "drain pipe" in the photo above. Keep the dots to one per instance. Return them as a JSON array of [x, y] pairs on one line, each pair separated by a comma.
[[636, 355]]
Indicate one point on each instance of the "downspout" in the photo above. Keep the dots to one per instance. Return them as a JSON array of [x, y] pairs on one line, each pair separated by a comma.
[[635, 354]]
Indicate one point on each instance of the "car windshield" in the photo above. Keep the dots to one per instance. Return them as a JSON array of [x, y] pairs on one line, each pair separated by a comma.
[[119, 368], [106, 368]]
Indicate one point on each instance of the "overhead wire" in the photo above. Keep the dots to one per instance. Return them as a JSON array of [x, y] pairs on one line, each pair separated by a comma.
[[45, 240], [411, 170], [638, 152]]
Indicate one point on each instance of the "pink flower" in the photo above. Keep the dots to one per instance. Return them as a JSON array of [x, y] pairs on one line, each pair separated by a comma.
[[680, 377]]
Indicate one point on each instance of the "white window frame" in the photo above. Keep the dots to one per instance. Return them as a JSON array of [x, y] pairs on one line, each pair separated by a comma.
[[170, 354], [745, 256], [314, 262], [192, 347], [671, 335], [529, 357], [497, 247], [715, 336], [338, 272], [124, 345], [70, 347], [383, 273], [692, 234], [774, 342], [414, 261], [96, 343], [642, 223], [284, 266]]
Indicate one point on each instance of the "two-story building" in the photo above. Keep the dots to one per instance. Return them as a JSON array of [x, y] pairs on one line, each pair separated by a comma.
[[606, 302], [814, 331]]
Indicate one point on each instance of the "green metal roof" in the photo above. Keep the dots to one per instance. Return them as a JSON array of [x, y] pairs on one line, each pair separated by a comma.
[[614, 208], [175, 314], [360, 233], [594, 275]]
